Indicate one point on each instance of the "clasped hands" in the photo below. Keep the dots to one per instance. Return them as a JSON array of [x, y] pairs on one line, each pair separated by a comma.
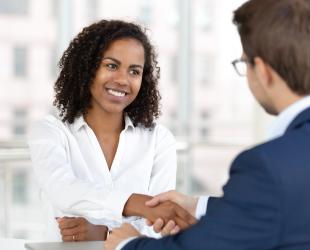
[[179, 211]]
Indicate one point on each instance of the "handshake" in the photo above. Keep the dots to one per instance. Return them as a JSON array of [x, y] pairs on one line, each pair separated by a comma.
[[180, 212], [167, 213]]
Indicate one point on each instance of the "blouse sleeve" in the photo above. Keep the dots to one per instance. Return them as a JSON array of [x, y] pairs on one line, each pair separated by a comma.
[[163, 176]]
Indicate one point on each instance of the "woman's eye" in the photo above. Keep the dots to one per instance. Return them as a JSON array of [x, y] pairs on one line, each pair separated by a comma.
[[111, 66], [135, 72]]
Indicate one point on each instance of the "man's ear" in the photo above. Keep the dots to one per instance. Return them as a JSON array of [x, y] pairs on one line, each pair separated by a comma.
[[263, 72]]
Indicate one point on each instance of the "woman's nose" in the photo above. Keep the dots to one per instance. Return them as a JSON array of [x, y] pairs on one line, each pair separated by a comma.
[[121, 77]]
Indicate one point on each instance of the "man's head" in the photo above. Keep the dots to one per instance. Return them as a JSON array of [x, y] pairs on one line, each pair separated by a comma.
[[275, 36]]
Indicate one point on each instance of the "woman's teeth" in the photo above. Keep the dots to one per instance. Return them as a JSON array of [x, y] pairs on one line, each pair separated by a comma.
[[116, 93]]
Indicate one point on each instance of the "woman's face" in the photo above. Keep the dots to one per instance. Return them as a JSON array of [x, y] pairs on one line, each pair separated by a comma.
[[118, 79]]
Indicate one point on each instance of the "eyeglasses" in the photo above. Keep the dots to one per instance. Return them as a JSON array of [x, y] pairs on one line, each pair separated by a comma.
[[240, 65]]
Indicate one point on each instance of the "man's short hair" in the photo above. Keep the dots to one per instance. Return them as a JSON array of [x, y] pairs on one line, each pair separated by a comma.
[[278, 31]]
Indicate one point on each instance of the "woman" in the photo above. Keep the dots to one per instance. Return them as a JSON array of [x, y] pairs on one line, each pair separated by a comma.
[[106, 156]]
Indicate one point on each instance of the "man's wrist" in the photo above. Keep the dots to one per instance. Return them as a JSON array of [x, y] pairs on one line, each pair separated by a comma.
[[193, 202]]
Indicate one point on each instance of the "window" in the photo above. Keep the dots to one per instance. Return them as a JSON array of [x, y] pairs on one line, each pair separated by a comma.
[[55, 8], [53, 62], [204, 118], [92, 9], [204, 115], [19, 188], [17, 7], [146, 13], [19, 121], [205, 69], [20, 61], [205, 15], [174, 69]]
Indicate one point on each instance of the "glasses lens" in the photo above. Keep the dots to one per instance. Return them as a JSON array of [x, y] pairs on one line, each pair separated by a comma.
[[241, 68]]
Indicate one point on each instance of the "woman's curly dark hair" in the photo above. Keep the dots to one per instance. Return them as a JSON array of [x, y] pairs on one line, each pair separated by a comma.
[[81, 60]]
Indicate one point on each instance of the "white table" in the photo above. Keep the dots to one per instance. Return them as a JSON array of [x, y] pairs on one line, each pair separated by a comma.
[[16, 244], [12, 244]]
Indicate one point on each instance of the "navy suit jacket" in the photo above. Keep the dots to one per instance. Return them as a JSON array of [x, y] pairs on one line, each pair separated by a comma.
[[266, 202]]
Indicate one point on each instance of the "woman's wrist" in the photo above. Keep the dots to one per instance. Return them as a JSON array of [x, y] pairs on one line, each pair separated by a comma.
[[104, 231]]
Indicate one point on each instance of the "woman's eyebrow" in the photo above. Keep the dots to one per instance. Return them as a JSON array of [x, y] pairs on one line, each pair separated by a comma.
[[111, 58], [118, 62], [136, 66]]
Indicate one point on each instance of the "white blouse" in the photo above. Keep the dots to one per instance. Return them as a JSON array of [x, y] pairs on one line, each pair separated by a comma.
[[74, 178]]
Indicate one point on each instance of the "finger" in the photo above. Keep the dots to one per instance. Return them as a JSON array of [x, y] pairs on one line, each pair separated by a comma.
[[59, 219], [69, 223], [74, 237], [181, 223], [175, 230], [68, 238], [148, 222], [168, 228], [80, 237], [153, 202], [158, 225], [186, 216], [72, 231]]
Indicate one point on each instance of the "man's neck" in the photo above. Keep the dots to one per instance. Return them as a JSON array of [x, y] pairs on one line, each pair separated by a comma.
[[287, 100]]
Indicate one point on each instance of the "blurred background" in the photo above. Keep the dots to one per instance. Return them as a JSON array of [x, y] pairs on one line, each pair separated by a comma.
[[206, 105]]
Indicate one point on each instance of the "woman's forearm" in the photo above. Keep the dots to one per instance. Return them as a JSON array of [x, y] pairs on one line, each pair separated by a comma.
[[135, 205]]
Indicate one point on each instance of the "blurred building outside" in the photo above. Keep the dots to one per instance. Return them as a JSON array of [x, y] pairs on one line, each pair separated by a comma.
[[206, 105]]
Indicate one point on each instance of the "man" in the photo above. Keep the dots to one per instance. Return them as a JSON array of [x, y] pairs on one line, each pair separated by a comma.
[[266, 203]]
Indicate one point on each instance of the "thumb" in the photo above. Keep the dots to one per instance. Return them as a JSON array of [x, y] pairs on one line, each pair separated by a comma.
[[153, 202], [167, 196]]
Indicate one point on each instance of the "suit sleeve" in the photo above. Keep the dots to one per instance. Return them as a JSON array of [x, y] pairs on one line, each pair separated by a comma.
[[247, 216]]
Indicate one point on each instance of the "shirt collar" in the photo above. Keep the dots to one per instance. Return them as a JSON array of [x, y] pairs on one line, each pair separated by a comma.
[[282, 122], [79, 122], [128, 122]]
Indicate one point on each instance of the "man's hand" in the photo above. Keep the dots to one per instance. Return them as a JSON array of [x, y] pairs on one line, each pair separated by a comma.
[[79, 229], [171, 227], [119, 234], [187, 202]]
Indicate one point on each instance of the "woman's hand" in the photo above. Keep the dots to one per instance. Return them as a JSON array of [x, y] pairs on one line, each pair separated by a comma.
[[79, 229]]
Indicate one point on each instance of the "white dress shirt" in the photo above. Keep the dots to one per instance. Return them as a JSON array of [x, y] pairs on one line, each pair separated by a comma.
[[284, 119], [74, 178]]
